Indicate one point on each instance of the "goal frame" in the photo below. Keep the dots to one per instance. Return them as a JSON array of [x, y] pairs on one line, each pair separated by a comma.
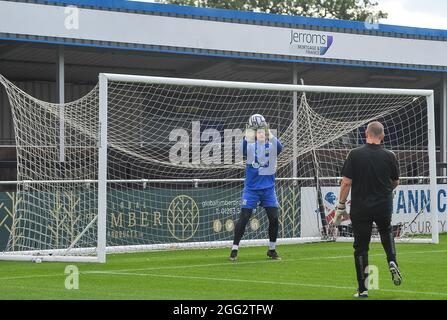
[[104, 78]]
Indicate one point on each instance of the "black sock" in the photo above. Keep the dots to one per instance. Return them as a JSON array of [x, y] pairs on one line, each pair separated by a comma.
[[239, 229], [361, 263], [273, 214], [387, 239]]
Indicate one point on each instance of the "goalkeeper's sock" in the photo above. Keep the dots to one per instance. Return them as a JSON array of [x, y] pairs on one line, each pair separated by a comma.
[[272, 245], [273, 214], [240, 225], [387, 239], [235, 247], [361, 262]]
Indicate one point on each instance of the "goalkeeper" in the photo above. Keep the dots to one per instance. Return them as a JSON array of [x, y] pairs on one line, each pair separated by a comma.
[[260, 148], [373, 173]]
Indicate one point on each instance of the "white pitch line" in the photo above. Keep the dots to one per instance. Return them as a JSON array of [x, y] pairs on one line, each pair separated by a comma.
[[267, 282], [228, 263], [214, 265], [258, 262], [220, 279], [34, 276]]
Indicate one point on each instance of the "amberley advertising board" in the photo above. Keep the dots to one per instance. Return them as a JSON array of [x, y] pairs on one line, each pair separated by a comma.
[[152, 216]]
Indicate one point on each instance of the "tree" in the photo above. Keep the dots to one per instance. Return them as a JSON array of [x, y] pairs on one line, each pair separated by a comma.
[[359, 10]]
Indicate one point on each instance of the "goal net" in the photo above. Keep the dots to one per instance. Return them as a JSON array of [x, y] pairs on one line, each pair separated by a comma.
[[145, 163]]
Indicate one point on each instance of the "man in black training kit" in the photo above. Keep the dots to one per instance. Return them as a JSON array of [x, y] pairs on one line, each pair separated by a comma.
[[260, 148], [373, 173]]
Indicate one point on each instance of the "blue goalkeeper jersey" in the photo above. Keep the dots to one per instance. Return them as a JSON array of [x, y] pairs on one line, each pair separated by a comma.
[[261, 163]]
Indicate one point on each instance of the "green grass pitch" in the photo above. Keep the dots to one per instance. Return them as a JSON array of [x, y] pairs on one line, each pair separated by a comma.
[[310, 271]]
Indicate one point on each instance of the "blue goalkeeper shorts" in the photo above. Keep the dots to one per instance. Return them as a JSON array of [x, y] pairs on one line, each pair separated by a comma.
[[266, 198]]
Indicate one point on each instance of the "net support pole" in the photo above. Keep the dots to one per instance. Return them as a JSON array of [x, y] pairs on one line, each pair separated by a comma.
[[316, 168], [60, 78], [102, 170], [294, 127], [432, 168]]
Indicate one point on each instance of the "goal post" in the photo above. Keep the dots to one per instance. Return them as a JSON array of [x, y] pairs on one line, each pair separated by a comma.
[[102, 169], [154, 163], [432, 165]]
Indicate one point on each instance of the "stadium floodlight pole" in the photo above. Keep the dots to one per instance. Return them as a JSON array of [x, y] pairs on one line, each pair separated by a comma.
[[432, 167], [102, 170]]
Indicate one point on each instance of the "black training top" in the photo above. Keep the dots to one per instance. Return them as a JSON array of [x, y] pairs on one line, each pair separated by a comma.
[[371, 168]]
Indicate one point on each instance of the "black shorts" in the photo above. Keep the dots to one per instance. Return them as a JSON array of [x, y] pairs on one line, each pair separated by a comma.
[[365, 212], [362, 218]]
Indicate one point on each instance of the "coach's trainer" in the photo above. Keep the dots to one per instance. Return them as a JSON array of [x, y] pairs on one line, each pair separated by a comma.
[[373, 173]]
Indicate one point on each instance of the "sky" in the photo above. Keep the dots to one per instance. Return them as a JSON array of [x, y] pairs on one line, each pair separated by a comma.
[[414, 13]]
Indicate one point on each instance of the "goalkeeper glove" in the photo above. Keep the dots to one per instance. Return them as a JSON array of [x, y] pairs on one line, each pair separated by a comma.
[[250, 134], [268, 133], [340, 213]]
